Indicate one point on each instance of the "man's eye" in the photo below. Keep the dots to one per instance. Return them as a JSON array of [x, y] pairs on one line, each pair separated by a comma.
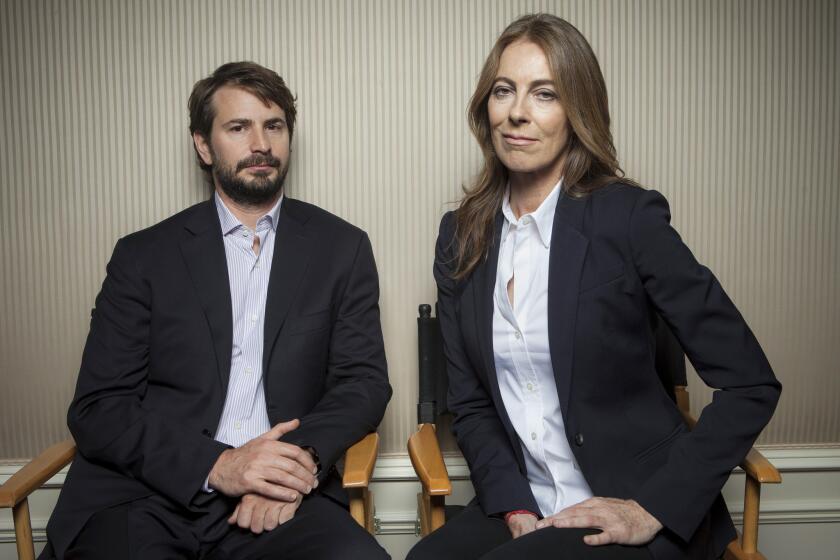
[[237, 128]]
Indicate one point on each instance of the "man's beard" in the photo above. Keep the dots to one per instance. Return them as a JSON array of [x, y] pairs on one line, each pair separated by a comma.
[[257, 191]]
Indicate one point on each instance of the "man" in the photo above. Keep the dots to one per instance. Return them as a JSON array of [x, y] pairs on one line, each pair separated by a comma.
[[235, 353]]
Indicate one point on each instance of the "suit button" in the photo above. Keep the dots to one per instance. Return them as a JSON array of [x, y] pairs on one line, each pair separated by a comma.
[[579, 440], [205, 432]]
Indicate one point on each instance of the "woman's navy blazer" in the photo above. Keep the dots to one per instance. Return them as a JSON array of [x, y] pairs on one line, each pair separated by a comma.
[[615, 263]]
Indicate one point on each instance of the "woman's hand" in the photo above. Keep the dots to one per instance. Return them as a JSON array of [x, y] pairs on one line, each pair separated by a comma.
[[521, 524], [620, 521]]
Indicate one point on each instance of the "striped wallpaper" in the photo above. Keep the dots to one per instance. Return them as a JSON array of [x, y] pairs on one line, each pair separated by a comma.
[[730, 108]]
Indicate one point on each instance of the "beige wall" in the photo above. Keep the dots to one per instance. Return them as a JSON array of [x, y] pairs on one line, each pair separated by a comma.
[[730, 108]]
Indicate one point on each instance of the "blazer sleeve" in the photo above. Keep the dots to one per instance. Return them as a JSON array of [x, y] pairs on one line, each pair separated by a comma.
[[498, 481], [725, 354], [107, 417], [357, 388]]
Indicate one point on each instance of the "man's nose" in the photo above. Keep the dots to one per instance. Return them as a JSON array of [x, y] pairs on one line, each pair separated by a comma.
[[259, 141]]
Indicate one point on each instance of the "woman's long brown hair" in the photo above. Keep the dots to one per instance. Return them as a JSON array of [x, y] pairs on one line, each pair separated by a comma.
[[590, 160]]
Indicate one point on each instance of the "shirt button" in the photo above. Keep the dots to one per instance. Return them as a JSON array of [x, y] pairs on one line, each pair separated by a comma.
[[534, 435], [237, 425], [518, 335], [530, 387], [254, 317], [249, 370], [244, 234]]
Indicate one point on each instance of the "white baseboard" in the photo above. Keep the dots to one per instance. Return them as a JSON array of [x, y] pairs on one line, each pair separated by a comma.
[[809, 493]]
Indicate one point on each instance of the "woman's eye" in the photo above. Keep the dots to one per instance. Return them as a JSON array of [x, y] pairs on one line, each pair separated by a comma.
[[501, 91], [546, 95]]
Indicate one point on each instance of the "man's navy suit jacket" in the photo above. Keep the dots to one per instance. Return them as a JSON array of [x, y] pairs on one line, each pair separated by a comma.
[[155, 368], [615, 263]]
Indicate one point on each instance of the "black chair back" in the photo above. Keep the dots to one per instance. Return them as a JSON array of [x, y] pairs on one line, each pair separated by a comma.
[[431, 401]]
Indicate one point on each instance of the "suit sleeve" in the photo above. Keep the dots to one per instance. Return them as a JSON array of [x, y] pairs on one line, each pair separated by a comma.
[[107, 417], [357, 388], [499, 484], [724, 353]]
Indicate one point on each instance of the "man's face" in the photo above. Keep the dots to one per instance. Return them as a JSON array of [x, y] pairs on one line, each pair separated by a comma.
[[248, 146]]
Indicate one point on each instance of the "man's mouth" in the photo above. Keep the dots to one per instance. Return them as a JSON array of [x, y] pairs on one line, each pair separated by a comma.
[[259, 163]]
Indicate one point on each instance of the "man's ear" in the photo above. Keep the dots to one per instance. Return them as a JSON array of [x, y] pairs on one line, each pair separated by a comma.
[[203, 148]]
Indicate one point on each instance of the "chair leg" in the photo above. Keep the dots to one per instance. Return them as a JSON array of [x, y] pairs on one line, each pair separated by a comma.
[[437, 512], [357, 505], [735, 552], [23, 531], [361, 508], [424, 513], [745, 546], [752, 496], [369, 511]]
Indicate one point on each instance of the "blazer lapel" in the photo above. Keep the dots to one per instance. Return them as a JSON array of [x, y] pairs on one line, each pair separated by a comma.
[[204, 253], [483, 288], [568, 251], [288, 266]]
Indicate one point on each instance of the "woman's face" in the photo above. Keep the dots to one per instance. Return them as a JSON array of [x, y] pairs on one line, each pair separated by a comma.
[[527, 122]]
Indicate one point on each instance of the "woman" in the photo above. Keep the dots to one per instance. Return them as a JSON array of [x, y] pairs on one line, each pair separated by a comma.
[[550, 276]]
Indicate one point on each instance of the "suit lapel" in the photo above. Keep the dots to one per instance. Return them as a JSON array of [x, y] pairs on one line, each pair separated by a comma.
[[483, 290], [288, 266], [204, 253], [568, 251]]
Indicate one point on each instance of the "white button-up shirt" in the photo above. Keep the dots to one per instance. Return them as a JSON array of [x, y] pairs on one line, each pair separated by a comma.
[[523, 359]]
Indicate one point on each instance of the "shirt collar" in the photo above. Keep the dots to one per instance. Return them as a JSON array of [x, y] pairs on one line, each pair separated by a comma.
[[543, 216], [230, 223]]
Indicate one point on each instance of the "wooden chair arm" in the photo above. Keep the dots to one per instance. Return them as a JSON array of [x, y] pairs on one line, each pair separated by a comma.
[[758, 467], [36, 472], [359, 462], [424, 451]]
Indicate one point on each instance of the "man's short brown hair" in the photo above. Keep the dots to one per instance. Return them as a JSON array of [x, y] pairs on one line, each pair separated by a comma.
[[250, 76]]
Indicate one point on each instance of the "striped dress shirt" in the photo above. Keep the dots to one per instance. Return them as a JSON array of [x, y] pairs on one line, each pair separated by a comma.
[[245, 416]]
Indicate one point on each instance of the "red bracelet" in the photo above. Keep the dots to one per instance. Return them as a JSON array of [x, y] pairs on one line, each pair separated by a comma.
[[517, 512]]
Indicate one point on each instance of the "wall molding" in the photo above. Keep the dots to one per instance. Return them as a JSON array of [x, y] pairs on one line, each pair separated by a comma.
[[397, 467], [803, 458], [394, 467], [786, 510]]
